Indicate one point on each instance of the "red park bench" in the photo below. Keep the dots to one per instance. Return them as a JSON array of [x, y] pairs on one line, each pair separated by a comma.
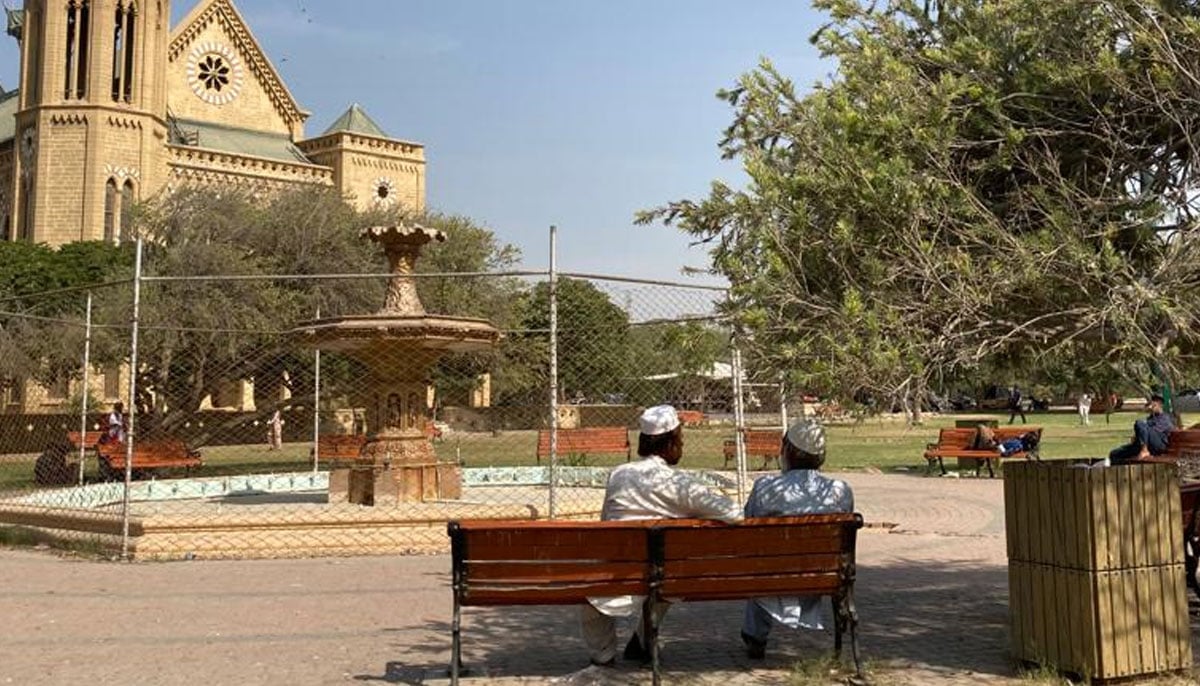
[[958, 442], [338, 448], [497, 562], [148, 457], [764, 443], [89, 439], [597, 440]]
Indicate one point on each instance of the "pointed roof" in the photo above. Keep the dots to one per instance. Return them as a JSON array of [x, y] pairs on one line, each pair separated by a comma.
[[227, 15], [356, 120]]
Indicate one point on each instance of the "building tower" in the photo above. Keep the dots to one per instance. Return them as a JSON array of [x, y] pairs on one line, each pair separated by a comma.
[[91, 115]]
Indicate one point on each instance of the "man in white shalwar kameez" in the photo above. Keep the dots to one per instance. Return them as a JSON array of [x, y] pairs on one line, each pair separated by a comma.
[[799, 490], [648, 488]]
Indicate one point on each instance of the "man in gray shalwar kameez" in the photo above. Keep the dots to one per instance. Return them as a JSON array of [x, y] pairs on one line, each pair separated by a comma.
[[799, 490]]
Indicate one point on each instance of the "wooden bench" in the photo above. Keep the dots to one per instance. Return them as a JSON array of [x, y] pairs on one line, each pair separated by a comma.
[[148, 457], [764, 443], [87, 439], [1182, 444], [691, 417], [598, 440], [337, 448], [958, 442], [564, 563]]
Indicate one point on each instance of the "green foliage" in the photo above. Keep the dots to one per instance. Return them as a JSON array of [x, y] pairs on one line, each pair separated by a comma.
[[1009, 183], [593, 337]]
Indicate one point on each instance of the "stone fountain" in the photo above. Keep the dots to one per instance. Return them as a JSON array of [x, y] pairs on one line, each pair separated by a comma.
[[399, 344]]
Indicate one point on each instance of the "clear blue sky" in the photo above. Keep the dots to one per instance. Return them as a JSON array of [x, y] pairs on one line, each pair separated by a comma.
[[537, 112]]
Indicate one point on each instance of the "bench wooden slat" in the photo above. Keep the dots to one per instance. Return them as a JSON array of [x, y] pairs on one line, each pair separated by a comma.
[[555, 595], [741, 566], [753, 541], [729, 588], [590, 440], [554, 572]]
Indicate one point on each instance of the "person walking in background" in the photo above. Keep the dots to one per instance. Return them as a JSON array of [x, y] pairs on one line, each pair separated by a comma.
[[116, 425], [1014, 405], [1085, 408], [275, 431]]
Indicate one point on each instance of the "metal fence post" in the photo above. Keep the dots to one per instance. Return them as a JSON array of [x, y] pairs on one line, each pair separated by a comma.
[[131, 411], [316, 406], [783, 408], [87, 361], [553, 369], [739, 418]]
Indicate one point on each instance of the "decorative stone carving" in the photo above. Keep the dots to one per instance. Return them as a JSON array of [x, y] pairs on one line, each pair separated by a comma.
[[215, 73]]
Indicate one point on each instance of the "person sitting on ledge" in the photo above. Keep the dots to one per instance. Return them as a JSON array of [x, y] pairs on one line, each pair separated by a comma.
[[1150, 435]]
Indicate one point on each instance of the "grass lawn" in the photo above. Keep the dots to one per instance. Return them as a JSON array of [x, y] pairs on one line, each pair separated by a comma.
[[885, 444]]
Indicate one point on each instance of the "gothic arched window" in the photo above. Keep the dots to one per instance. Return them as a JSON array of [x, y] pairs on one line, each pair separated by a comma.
[[78, 49], [110, 211], [123, 52], [128, 198]]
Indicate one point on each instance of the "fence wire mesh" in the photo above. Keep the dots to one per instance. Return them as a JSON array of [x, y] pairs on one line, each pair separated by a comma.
[[254, 399]]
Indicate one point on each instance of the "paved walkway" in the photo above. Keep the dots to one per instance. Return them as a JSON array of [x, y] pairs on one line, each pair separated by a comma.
[[932, 597]]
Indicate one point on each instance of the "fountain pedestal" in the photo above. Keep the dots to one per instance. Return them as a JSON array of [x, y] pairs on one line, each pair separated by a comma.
[[399, 345]]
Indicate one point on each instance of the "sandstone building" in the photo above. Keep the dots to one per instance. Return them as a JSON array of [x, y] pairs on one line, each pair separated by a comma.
[[115, 106]]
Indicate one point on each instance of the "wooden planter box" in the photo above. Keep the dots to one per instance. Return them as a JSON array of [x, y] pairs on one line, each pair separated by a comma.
[[1096, 574]]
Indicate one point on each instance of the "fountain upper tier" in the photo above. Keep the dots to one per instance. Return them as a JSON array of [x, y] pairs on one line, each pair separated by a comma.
[[401, 327]]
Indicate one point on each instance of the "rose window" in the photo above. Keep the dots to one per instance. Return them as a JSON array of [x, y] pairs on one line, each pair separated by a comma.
[[214, 73]]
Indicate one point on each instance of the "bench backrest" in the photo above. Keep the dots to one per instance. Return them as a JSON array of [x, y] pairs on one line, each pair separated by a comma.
[[1182, 442], [806, 555], [956, 438], [547, 563], [340, 445], [156, 449], [964, 438], [90, 438], [597, 439], [762, 441]]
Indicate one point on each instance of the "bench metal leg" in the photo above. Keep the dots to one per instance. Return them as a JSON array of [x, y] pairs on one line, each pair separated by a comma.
[[652, 620], [852, 614], [455, 643], [838, 627], [942, 465], [991, 472]]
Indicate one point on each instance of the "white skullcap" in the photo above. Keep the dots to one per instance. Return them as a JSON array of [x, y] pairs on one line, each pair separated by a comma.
[[658, 420], [807, 435]]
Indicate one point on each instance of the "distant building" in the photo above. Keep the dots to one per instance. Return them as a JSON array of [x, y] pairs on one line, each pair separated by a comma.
[[113, 106]]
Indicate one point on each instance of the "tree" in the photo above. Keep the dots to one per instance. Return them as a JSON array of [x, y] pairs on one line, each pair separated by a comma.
[[593, 335], [980, 180], [42, 325], [199, 334]]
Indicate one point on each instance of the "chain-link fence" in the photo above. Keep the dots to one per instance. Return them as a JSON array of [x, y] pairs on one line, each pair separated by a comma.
[[279, 416]]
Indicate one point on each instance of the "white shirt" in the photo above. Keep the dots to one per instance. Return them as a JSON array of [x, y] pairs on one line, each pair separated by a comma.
[[116, 427], [797, 492], [651, 489]]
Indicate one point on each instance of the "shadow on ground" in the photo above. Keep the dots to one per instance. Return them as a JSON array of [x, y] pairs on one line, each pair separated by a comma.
[[952, 618]]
